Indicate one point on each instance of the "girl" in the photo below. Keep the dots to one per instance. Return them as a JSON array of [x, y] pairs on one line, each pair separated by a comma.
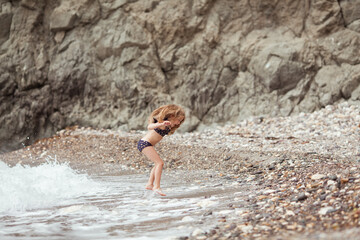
[[162, 121]]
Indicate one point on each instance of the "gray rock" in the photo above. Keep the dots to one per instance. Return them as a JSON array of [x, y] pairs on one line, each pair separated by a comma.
[[300, 197], [350, 10], [62, 21], [323, 197], [355, 26], [5, 23], [30, 4]]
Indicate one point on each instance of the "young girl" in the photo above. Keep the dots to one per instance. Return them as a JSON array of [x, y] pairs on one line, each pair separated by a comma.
[[162, 121]]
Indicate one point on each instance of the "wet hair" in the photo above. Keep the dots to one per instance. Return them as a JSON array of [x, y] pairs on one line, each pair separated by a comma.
[[165, 112]]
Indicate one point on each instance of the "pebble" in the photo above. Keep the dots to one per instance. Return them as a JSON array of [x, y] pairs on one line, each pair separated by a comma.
[[246, 228], [331, 182], [289, 213], [231, 227], [353, 169], [333, 177], [240, 211], [301, 197], [323, 197], [318, 176], [197, 232], [271, 167], [208, 213], [269, 191], [326, 210]]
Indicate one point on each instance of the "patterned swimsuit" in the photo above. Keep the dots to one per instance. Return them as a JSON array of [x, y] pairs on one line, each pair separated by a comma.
[[143, 143]]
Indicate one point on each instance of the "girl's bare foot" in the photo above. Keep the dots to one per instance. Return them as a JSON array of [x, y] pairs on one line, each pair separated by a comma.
[[149, 187], [159, 191]]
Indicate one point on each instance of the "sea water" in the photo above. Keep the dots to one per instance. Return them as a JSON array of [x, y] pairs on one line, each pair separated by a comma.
[[53, 201]]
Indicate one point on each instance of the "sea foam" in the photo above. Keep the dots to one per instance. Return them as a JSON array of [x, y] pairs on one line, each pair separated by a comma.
[[25, 188]]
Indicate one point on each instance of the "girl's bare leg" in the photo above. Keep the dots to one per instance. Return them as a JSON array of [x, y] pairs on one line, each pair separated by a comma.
[[150, 184], [155, 175]]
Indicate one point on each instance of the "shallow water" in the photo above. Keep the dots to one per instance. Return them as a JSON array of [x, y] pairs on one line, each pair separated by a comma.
[[52, 201]]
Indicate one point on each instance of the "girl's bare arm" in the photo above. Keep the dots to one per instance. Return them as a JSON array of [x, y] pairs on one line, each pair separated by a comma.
[[152, 126]]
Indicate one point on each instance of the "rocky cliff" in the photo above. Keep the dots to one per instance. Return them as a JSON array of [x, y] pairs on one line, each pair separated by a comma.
[[109, 63]]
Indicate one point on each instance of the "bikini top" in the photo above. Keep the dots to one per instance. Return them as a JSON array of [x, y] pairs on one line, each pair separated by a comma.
[[162, 132]]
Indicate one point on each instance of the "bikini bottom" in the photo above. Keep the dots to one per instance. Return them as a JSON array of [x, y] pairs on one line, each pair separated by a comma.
[[143, 144]]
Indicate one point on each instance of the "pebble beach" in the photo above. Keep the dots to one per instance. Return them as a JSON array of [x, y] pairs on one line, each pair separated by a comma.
[[303, 171]]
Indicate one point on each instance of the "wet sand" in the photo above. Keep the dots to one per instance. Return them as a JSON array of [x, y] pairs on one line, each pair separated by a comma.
[[301, 173]]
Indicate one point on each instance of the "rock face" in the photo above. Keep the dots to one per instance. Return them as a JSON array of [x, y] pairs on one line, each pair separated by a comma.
[[109, 63]]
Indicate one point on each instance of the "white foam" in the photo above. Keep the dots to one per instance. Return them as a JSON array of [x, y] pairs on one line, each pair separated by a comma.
[[115, 207], [77, 209], [224, 212], [24, 188], [206, 203], [187, 219]]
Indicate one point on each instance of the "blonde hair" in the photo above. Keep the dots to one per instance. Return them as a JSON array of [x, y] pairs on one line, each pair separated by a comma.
[[163, 113]]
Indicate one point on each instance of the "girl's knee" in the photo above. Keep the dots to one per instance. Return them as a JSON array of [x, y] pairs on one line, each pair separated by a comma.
[[160, 163]]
